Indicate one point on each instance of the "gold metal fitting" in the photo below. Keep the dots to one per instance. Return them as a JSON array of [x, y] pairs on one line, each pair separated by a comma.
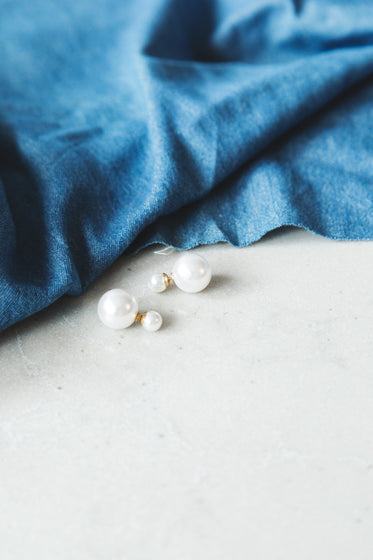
[[167, 279], [140, 317]]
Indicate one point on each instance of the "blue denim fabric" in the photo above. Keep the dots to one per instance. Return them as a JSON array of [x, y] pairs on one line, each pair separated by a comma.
[[128, 122]]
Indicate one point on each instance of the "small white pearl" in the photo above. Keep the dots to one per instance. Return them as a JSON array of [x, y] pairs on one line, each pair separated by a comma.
[[191, 273], [117, 309], [152, 321], [157, 283]]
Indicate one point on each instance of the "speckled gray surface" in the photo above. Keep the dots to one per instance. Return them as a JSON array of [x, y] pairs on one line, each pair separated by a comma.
[[243, 429]]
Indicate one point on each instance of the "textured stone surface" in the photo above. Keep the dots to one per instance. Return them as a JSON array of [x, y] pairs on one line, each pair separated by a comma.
[[243, 429]]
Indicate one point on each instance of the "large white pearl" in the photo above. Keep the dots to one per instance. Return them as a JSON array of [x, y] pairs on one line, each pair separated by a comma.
[[117, 309], [191, 273], [157, 282], [152, 321]]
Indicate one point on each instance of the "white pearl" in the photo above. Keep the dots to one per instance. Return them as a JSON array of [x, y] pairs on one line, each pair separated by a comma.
[[117, 309], [157, 283], [191, 273], [152, 321]]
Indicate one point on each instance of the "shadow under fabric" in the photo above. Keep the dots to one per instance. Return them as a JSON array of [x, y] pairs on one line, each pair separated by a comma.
[[129, 122]]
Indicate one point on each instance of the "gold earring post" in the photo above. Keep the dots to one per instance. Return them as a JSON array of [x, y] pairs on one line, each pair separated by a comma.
[[140, 317], [168, 278]]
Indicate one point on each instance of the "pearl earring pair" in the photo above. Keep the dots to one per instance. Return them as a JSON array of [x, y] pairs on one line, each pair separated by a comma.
[[191, 273], [118, 310]]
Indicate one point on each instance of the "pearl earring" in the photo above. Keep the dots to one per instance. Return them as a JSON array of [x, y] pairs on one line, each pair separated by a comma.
[[191, 273], [118, 310]]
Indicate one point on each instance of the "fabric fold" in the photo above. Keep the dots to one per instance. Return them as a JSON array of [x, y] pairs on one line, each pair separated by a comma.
[[183, 123]]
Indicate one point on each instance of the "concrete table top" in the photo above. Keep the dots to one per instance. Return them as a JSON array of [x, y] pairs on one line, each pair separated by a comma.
[[242, 430]]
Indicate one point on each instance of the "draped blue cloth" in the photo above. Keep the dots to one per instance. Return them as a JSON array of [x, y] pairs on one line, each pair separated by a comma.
[[184, 122]]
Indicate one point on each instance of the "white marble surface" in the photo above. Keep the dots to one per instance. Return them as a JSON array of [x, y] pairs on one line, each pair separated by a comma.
[[243, 429]]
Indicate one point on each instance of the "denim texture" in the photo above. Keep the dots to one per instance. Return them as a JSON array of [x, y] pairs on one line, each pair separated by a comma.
[[185, 122]]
